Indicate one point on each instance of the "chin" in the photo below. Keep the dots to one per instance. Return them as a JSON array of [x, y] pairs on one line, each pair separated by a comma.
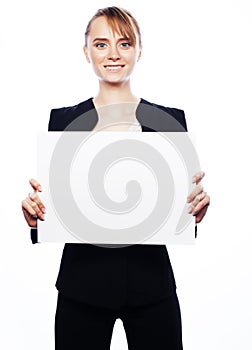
[[115, 81]]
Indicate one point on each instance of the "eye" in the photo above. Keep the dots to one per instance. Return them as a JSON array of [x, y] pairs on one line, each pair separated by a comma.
[[125, 44], [100, 45]]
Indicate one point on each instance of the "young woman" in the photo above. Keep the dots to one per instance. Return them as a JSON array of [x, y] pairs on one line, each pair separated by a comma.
[[97, 285]]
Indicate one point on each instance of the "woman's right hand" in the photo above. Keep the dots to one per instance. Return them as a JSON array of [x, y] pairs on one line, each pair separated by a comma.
[[33, 208]]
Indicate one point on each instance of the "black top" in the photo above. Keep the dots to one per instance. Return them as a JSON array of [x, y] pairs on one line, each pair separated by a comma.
[[136, 274]]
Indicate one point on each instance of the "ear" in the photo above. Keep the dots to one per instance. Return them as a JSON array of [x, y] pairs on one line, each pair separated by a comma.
[[86, 54]]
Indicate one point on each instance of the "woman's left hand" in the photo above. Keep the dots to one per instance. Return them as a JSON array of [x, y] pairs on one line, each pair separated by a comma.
[[198, 199]]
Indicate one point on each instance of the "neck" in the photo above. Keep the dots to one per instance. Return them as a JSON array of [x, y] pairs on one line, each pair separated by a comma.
[[114, 93]]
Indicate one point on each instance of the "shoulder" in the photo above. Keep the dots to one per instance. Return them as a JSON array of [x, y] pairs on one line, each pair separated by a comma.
[[61, 117], [176, 113]]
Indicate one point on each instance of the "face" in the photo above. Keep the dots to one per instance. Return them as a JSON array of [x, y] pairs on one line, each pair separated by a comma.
[[113, 57]]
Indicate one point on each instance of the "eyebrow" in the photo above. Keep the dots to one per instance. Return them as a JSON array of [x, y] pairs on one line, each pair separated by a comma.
[[100, 39], [106, 39]]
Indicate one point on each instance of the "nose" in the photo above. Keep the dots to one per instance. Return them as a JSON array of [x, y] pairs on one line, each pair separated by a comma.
[[113, 53]]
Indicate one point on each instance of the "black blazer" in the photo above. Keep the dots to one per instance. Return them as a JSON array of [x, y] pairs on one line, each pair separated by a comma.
[[136, 274]]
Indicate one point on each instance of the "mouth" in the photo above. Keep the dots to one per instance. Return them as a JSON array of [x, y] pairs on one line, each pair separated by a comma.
[[114, 67]]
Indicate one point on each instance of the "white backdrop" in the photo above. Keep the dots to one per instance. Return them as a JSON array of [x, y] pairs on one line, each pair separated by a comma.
[[197, 56]]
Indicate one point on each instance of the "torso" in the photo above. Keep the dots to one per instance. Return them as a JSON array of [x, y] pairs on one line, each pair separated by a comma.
[[138, 274]]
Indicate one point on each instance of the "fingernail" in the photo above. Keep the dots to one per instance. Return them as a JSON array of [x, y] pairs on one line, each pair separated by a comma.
[[39, 188], [43, 217], [43, 210]]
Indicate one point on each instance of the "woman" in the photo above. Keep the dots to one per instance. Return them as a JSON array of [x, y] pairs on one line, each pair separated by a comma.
[[97, 285]]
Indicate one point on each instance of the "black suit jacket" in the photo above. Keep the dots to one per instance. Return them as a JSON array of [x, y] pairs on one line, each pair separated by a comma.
[[136, 274]]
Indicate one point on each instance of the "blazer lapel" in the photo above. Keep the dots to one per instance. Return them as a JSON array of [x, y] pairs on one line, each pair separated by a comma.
[[151, 117]]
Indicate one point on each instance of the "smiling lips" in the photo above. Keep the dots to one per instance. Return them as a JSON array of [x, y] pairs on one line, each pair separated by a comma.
[[114, 67]]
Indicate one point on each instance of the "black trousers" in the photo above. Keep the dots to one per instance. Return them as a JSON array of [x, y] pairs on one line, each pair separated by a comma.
[[155, 326]]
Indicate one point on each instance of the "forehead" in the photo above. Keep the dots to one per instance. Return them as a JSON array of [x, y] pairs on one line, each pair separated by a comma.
[[101, 28]]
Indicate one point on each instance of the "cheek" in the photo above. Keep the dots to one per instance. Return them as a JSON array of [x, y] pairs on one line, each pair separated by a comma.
[[97, 56], [131, 57], [132, 61]]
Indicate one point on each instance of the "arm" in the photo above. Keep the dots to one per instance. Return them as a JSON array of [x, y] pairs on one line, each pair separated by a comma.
[[33, 209], [27, 205], [199, 200]]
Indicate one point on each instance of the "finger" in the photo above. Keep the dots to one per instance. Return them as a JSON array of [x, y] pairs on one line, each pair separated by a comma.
[[198, 177], [35, 185], [197, 190], [194, 204], [26, 207], [35, 207], [31, 221], [35, 198], [198, 198], [205, 202], [201, 214]]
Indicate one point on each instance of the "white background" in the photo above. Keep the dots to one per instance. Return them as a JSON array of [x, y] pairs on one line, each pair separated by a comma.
[[197, 56]]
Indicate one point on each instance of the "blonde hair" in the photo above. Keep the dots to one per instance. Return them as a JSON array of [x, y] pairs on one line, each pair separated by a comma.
[[121, 21]]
